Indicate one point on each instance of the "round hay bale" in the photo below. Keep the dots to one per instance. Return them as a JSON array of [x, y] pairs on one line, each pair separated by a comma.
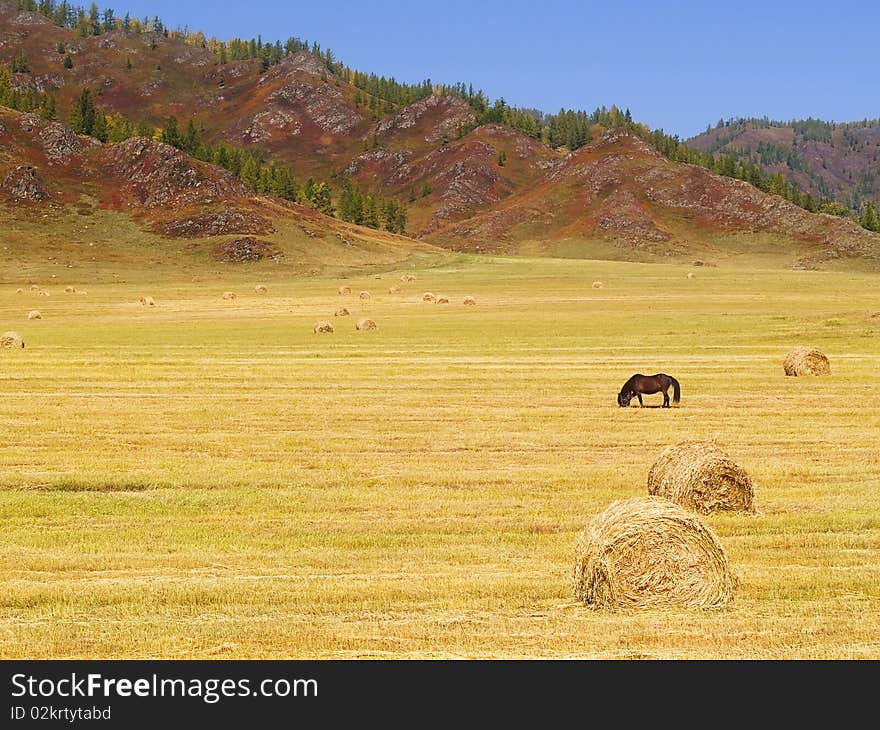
[[43, 293], [323, 327], [34, 314], [366, 325], [649, 552], [364, 295], [341, 312], [11, 341], [469, 302], [699, 476], [70, 290], [344, 291], [393, 290], [147, 302], [229, 296], [806, 361], [407, 278], [261, 289], [19, 291], [597, 285], [442, 300], [34, 287], [429, 297], [691, 275]]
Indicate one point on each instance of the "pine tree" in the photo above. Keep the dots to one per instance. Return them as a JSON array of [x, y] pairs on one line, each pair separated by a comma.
[[82, 115], [869, 219], [67, 62], [47, 107]]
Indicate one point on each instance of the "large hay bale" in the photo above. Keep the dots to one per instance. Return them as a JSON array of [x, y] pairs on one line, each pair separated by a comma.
[[70, 289], [442, 300], [364, 295], [691, 275], [649, 552], [429, 297], [19, 290], [407, 278], [344, 291], [147, 302], [229, 296], [43, 293], [323, 327], [366, 325], [469, 302], [261, 289], [597, 285], [699, 476], [806, 361], [393, 290], [341, 312], [34, 314], [11, 341]]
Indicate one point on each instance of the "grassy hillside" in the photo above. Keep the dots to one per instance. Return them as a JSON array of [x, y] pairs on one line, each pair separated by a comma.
[[207, 478]]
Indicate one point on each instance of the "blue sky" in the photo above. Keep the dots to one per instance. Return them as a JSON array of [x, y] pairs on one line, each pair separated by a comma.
[[676, 65]]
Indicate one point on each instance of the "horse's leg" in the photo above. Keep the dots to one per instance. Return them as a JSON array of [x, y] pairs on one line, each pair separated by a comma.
[[665, 399], [641, 403]]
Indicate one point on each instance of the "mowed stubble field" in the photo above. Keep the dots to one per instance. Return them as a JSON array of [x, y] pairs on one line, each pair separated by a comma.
[[210, 479]]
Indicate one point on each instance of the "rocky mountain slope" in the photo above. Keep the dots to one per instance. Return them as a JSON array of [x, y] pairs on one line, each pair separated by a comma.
[[840, 162]]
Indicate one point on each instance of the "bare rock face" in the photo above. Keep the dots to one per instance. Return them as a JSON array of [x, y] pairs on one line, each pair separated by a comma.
[[60, 144], [224, 222], [450, 112], [270, 122], [157, 174], [321, 103], [386, 161], [23, 183], [304, 61], [244, 250]]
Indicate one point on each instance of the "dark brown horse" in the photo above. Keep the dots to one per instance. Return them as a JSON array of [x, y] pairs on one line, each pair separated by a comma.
[[639, 384]]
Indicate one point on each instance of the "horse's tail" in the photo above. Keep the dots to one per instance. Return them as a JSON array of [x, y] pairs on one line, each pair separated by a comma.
[[676, 390]]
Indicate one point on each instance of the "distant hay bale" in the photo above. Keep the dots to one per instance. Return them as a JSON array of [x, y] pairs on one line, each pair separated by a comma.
[[34, 314], [344, 290], [806, 361], [691, 275], [649, 552], [19, 291], [323, 327], [11, 341], [597, 285], [261, 289], [43, 293], [341, 312], [81, 291], [469, 302], [229, 296], [393, 290], [366, 325], [407, 278], [364, 295], [147, 302], [34, 287], [442, 300], [699, 476], [429, 297], [70, 289]]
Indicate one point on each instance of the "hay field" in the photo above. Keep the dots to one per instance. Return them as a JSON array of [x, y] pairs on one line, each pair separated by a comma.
[[209, 478]]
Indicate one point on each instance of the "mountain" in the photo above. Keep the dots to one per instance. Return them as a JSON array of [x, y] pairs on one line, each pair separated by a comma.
[[469, 182], [55, 186], [838, 162]]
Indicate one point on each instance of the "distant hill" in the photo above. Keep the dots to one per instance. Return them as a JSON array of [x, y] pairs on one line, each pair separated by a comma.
[[288, 122], [839, 162]]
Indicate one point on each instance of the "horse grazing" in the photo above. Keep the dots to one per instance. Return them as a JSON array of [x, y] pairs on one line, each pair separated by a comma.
[[648, 385]]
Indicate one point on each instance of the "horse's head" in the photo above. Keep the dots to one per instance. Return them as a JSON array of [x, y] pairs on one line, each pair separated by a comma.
[[623, 398]]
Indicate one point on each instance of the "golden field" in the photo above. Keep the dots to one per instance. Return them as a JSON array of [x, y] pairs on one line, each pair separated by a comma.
[[211, 479]]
